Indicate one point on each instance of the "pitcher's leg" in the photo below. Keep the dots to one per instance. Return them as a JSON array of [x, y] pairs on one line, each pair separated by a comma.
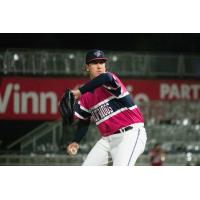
[[131, 147], [98, 155]]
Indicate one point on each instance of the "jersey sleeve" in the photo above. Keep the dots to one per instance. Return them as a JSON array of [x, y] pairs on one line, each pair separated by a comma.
[[102, 79], [115, 86], [81, 111], [107, 80], [82, 128]]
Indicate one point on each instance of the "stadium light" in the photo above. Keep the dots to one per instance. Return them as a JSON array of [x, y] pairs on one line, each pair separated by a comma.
[[185, 122], [16, 57], [114, 58], [71, 56]]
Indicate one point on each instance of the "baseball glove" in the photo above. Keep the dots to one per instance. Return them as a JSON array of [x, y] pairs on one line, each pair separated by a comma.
[[66, 106]]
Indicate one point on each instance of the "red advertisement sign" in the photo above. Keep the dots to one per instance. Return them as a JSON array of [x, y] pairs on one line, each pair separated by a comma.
[[23, 98]]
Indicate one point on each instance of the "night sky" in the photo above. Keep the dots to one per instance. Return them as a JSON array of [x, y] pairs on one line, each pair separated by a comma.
[[145, 42]]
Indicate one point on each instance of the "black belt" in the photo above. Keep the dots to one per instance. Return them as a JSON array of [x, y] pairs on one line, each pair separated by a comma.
[[123, 129]]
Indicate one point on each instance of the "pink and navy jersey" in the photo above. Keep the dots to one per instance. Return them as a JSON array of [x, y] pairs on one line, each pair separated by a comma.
[[110, 105]]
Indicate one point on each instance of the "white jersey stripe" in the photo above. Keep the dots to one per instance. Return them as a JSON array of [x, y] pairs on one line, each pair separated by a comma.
[[102, 102], [83, 108], [132, 107], [79, 116], [110, 88], [115, 113], [86, 110], [108, 99]]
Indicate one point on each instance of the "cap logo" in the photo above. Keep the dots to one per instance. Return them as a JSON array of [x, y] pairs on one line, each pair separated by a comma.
[[97, 53]]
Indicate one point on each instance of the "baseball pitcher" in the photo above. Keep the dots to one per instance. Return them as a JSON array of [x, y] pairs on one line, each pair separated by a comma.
[[120, 122]]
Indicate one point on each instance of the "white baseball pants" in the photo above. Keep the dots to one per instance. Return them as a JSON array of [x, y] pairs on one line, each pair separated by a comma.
[[124, 148]]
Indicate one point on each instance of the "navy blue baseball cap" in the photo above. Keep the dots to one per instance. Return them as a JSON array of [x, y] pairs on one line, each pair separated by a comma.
[[95, 54]]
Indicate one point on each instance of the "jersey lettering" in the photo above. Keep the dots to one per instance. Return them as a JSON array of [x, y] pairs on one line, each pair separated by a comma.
[[101, 112]]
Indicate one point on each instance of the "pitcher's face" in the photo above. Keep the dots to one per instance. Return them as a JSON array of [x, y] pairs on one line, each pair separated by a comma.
[[96, 68]]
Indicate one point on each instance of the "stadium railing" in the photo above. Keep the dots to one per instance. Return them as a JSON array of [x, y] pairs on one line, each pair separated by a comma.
[[45, 138], [46, 62]]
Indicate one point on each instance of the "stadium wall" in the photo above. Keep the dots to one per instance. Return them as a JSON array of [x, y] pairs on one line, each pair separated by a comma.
[[29, 98]]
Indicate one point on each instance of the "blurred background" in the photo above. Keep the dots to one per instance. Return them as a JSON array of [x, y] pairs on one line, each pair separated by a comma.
[[161, 71]]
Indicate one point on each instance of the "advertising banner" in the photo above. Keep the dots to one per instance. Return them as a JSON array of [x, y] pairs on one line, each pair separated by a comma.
[[24, 98]]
